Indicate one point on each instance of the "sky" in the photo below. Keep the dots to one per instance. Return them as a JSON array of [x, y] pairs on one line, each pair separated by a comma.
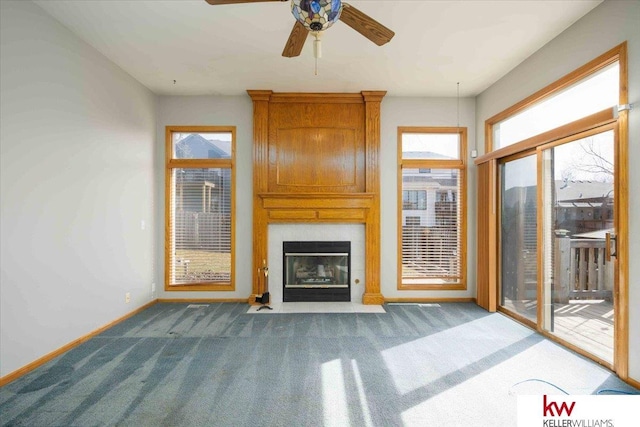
[[587, 97], [445, 144]]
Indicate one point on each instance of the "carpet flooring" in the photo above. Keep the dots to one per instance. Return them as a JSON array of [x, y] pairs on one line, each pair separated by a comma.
[[315, 307], [215, 365]]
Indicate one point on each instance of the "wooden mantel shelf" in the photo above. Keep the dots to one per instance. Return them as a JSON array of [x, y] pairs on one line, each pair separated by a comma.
[[310, 207], [316, 201], [316, 195]]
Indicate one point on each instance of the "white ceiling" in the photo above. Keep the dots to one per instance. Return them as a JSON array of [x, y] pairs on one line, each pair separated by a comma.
[[225, 50]]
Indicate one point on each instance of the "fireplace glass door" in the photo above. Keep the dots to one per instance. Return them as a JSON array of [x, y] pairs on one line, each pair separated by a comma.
[[316, 271]]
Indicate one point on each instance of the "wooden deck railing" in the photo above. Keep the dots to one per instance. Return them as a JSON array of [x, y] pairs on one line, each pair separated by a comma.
[[582, 271]]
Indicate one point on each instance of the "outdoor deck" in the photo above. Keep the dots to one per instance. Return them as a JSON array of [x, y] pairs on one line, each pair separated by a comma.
[[587, 324]]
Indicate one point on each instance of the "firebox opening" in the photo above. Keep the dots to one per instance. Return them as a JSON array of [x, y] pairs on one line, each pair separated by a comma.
[[316, 271]]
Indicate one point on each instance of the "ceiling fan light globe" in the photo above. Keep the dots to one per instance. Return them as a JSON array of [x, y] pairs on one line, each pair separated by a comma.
[[316, 15]]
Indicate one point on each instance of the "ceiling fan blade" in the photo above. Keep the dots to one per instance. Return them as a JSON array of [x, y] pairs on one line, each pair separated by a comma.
[[296, 40], [365, 25], [217, 2]]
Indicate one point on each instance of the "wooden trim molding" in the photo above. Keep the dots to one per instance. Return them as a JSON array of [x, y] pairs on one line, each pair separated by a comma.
[[590, 122], [50, 356], [372, 100], [632, 382], [315, 98], [260, 181], [486, 242], [320, 199], [621, 333], [431, 300], [200, 300]]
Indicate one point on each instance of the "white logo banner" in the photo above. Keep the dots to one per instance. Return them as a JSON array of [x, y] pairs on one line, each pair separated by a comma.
[[578, 411]]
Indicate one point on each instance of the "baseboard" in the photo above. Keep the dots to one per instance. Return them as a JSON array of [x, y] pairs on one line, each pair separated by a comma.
[[44, 359], [632, 382], [431, 299], [202, 300]]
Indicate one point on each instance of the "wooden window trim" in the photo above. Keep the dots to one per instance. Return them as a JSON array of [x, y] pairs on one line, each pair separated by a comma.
[[170, 164], [461, 165], [593, 121]]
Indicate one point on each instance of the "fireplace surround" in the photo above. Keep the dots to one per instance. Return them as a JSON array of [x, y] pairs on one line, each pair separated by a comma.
[[316, 162], [286, 231]]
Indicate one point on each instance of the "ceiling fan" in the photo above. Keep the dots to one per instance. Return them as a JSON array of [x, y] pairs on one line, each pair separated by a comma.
[[315, 16]]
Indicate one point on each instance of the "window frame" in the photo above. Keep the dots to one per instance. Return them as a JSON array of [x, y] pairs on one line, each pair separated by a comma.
[[459, 164], [617, 54], [172, 163]]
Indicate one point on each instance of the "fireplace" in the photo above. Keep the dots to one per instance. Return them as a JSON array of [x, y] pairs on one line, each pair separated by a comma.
[[316, 271], [325, 171]]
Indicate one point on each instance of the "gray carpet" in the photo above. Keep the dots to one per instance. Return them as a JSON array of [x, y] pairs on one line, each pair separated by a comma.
[[171, 365]]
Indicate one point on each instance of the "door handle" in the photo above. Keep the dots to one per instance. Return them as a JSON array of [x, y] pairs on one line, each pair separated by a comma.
[[611, 246]]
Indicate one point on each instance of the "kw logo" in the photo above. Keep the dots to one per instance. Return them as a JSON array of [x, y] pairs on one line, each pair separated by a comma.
[[548, 408]]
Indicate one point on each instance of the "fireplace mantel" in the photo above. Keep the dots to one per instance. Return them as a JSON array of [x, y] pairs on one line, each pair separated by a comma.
[[316, 161], [314, 207]]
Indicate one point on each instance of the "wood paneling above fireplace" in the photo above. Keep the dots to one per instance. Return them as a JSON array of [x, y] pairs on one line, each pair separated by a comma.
[[316, 147], [316, 160]]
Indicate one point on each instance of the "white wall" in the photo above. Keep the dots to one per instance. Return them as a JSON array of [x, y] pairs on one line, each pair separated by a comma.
[[409, 111], [608, 25], [212, 111], [76, 146], [238, 111]]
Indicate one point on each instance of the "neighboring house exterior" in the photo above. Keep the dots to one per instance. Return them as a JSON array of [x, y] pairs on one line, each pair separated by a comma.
[[584, 206], [429, 196]]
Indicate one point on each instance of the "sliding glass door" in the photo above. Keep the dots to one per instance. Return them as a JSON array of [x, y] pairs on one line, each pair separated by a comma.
[[557, 239], [562, 200], [578, 207], [518, 236]]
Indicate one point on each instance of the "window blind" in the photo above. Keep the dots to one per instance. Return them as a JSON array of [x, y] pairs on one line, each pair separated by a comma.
[[200, 223], [431, 229]]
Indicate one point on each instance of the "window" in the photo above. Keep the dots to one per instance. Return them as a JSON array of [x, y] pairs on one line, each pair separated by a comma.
[[590, 90], [431, 209], [199, 208], [414, 200], [412, 221]]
